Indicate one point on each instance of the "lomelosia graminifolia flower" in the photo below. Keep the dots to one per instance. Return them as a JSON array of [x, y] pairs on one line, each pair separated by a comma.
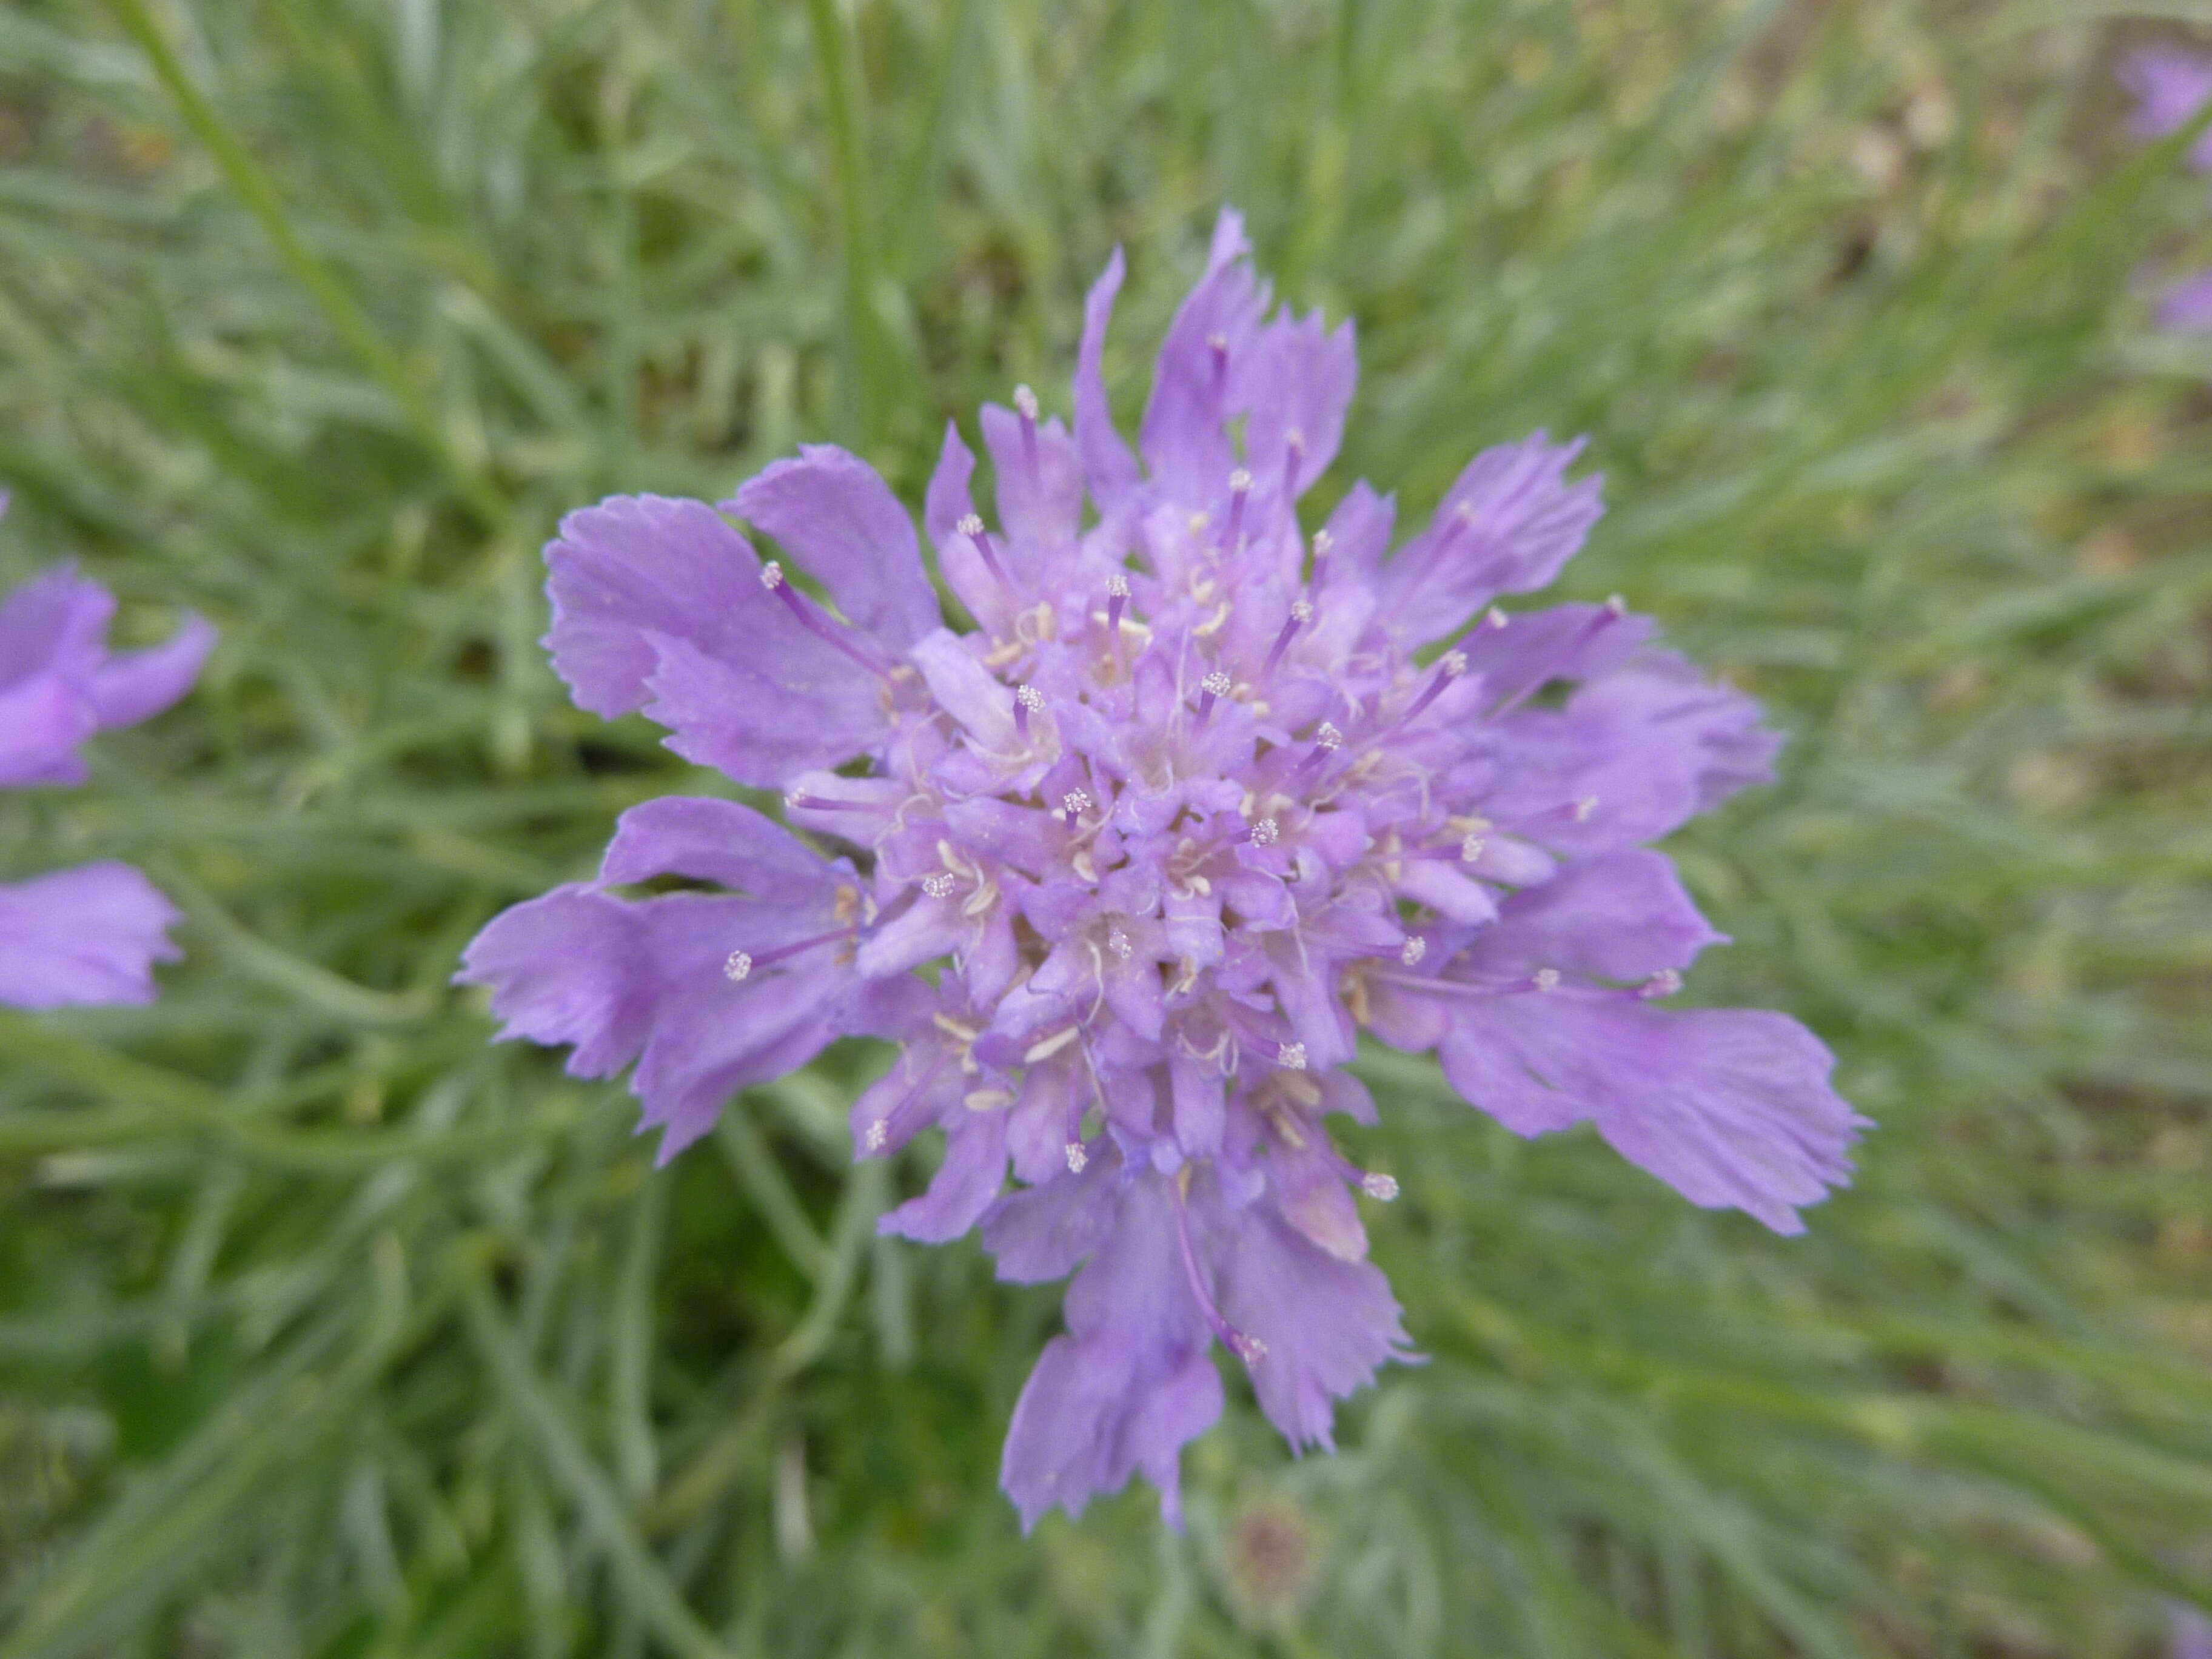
[[1194, 800], [90, 934]]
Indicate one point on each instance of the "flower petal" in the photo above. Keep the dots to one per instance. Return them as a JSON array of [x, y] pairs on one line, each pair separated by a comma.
[[1649, 746], [725, 712], [965, 1184], [139, 684], [1185, 435], [838, 518], [720, 841], [1041, 507], [1730, 1107], [43, 719], [1296, 377], [1620, 916], [88, 935], [1506, 525], [1041, 1233], [1132, 1381], [1108, 466], [1328, 1322], [54, 623]]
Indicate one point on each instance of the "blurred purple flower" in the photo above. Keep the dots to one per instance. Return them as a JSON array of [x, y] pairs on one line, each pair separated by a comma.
[[2170, 85], [91, 934], [1180, 825]]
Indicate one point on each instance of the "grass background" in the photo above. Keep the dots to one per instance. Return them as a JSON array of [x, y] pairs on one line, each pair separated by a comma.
[[326, 1329]]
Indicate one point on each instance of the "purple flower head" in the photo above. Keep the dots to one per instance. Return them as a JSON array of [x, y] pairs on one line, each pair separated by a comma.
[[91, 934], [1196, 799]]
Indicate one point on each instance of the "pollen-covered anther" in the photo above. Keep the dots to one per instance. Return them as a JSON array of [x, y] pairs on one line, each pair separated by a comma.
[[1291, 1056], [1616, 604], [1216, 684], [970, 525], [1239, 482], [1454, 663], [1301, 611], [1025, 402], [1470, 850], [1077, 1157], [878, 1132], [1249, 1349], [1265, 832], [772, 574], [1117, 586], [1328, 736], [1074, 804], [1664, 983], [1378, 1185], [938, 886], [1584, 807], [1413, 950], [737, 966], [1547, 979], [1118, 943], [1493, 618], [1029, 697]]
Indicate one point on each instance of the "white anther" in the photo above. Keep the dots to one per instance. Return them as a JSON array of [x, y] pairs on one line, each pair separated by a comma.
[[1470, 849], [1664, 983], [878, 1132], [1030, 697], [1584, 807], [1465, 513], [1117, 586], [1077, 1157], [1264, 833], [1118, 943], [1075, 801], [1329, 736], [1295, 441], [739, 964], [1413, 950], [1291, 1056], [799, 800], [970, 525], [1323, 542], [1547, 979], [1379, 1185], [772, 575], [1493, 618], [1025, 402], [1249, 1349], [1239, 482], [937, 886], [1217, 683], [1618, 605], [1454, 663], [1301, 611], [1218, 341]]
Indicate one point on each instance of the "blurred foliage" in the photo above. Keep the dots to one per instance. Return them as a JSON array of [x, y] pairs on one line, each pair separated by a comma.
[[327, 1329]]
